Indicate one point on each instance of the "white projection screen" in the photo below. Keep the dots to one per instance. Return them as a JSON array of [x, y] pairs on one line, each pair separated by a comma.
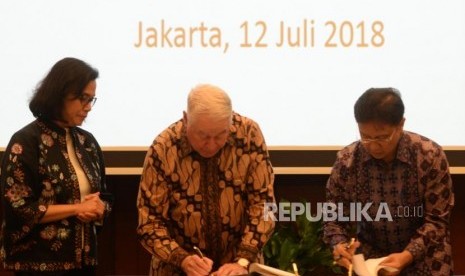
[[294, 66]]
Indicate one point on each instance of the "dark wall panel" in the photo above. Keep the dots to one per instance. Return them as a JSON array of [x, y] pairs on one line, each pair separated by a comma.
[[121, 254]]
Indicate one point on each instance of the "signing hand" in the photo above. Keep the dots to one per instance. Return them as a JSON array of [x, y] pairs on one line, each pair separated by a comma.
[[194, 265], [343, 253]]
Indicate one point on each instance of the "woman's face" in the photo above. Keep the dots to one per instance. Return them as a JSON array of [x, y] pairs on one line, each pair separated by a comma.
[[75, 110]]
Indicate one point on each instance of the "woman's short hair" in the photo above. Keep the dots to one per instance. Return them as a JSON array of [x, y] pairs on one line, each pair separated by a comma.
[[206, 99], [381, 105], [68, 76]]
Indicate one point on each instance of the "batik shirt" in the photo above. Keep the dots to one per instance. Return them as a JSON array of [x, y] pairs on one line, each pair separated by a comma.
[[36, 172], [410, 200], [215, 203]]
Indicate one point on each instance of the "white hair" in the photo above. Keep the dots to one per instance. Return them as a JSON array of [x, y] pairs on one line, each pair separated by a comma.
[[207, 99]]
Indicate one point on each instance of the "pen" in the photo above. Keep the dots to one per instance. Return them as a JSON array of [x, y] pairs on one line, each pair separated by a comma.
[[351, 243], [198, 251], [349, 273], [294, 266]]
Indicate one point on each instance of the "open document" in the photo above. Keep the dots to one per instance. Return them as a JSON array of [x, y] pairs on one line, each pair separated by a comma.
[[369, 267], [260, 269]]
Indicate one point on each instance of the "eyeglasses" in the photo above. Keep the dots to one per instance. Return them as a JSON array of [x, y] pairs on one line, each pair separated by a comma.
[[86, 99], [384, 140]]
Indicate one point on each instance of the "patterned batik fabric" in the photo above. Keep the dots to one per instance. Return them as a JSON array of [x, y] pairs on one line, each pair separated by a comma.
[[413, 194], [37, 172], [216, 204]]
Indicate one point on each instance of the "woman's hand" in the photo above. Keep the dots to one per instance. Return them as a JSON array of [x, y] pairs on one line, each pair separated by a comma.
[[91, 208]]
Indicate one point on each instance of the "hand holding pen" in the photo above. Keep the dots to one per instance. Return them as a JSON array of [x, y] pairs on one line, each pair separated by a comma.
[[197, 264], [343, 253], [349, 273]]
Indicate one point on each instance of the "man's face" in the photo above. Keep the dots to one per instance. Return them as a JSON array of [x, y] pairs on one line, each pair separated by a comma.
[[380, 139], [207, 135]]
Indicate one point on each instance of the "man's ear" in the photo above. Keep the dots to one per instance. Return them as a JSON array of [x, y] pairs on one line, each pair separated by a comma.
[[184, 117], [401, 124]]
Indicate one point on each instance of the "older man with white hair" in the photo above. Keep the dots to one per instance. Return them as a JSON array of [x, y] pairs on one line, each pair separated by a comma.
[[205, 181]]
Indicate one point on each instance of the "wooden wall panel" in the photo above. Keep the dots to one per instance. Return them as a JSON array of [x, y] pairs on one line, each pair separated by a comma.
[[121, 254]]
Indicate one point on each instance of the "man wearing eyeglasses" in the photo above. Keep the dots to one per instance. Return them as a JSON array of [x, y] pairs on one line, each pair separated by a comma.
[[401, 173], [203, 190]]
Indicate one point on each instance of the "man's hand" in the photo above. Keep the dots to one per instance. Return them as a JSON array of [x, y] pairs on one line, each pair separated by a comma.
[[342, 253], [398, 261], [230, 269], [194, 265]]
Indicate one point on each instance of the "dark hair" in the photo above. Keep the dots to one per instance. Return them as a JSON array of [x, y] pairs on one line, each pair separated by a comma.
[[67, 76], [381, 105]]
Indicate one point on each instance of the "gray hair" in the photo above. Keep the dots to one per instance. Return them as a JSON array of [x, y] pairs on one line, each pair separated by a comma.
[[207, 99]]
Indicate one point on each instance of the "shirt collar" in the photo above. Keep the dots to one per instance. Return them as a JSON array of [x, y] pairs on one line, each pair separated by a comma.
[[53, 126], [403, 152]]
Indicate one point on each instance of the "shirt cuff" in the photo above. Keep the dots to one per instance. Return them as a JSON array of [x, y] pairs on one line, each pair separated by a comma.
[[337, 239], [42, 209], [249, 253], [178, 256], [416, 250]]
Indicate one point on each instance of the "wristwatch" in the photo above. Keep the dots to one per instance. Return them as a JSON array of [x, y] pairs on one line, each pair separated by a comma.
[[243, 262], [107, 208]]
